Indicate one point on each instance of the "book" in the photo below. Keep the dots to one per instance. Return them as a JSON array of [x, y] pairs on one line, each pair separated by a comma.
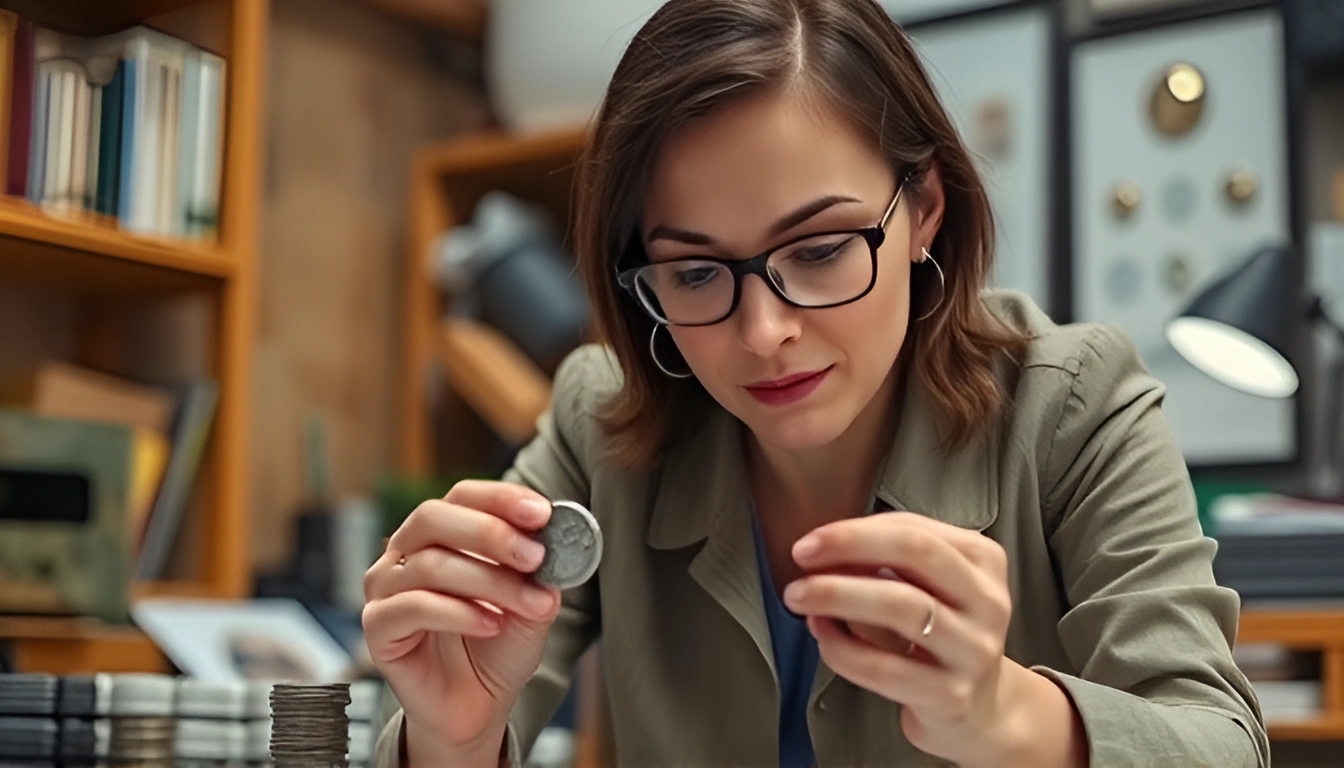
[[109, 140], [34, 186], [61, 389], [91, 146], [191, 429], [129, 125], [189, 143], [151, 141], [169, 145], [9, 22], [20, 110], [206, 178]]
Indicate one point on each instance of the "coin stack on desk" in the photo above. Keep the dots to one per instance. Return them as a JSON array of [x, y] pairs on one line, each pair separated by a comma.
[[143, 728], [309, 726], [28, 730], [210, 729], [155, 721], [83, 707]]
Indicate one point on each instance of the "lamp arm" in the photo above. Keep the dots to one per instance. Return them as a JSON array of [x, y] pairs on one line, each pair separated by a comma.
[[1335, 382], [1316, 313]]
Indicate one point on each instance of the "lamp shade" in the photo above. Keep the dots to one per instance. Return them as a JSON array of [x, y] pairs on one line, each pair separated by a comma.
[[1239, 329]]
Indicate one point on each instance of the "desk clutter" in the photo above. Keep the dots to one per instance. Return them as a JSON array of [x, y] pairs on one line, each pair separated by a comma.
[[1273, 547], [160, 720]]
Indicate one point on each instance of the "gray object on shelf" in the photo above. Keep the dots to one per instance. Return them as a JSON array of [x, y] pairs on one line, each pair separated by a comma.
[[506, 267]]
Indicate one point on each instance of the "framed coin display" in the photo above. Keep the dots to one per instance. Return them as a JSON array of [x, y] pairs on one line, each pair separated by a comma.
[[1179, 171]]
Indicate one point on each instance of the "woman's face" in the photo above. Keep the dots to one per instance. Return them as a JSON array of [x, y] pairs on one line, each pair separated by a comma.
[[726, 181]]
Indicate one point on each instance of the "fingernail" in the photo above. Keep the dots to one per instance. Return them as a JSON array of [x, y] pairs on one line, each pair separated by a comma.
[[795, 592], [528, 553], [806, 547], [537, 600], [490, 622], [538, 510]]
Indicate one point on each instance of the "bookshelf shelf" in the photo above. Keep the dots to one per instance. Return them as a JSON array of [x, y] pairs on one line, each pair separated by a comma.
[[75, 646], [1307, 628], [54, 249], [91, 17], [88, 257], [1325, 729]]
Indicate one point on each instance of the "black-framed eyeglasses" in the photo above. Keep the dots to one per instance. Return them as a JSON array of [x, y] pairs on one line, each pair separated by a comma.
[[816, 271]]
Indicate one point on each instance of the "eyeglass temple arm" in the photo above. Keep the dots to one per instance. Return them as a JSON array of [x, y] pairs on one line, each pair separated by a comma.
[[900, 189]]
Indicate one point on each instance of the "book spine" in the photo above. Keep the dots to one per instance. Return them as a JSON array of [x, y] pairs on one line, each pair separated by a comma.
[[109, 139], [37, 161], [94, 144], [188, 444], [9, 22], [210, 157], [170, 147], [189, 126], [132, 107], [79, 151], [61, 140], [21, 94]]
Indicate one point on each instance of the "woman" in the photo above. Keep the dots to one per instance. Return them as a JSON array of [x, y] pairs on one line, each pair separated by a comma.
[[856, 510]]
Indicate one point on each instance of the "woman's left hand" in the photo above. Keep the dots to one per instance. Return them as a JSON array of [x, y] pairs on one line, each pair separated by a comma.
[[931, 639]]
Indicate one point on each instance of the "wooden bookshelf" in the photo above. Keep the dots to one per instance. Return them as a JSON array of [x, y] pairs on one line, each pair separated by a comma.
[[481, 367], [92, 17], [1305, 629], [87, 257]]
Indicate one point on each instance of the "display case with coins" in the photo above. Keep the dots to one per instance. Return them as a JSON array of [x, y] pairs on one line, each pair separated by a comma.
[[1179, 170]]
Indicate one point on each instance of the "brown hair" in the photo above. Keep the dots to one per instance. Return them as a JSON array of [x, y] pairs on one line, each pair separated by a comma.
[[691, 56]]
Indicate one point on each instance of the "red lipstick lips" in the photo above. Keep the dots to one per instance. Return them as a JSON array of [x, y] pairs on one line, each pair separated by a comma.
[[788, 389]]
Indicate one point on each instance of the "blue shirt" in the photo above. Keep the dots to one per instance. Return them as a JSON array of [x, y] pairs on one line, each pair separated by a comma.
[[795, 662]]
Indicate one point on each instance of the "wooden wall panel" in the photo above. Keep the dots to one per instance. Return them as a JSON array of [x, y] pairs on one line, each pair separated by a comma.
[[352, 92]]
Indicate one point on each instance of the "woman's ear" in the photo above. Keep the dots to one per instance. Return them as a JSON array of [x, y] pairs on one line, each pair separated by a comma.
[[928, 212]]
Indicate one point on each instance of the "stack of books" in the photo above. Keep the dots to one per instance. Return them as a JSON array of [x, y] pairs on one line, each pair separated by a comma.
[[1273, 547], [164, 430], [129, 125]]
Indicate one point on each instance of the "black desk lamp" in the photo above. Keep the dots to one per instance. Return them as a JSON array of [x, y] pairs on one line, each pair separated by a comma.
[[1239, 331], [1240, 328]]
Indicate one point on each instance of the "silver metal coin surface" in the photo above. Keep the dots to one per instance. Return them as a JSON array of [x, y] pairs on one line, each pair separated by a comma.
[[573, 542]]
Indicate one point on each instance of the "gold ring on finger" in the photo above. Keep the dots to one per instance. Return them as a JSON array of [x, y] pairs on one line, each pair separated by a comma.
[[928, 628]]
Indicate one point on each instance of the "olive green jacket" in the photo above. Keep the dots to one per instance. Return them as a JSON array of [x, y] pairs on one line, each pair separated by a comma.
[[1080, 480]]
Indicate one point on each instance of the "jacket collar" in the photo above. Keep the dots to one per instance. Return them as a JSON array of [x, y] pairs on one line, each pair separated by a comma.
[[703, 477]]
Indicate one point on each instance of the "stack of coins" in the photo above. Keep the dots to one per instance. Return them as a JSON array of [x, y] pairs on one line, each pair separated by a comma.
[[28, 741], [85, 696], [210, 731], [257, 721], [143, 728], [28, 733], [29, 695], [84, 742], [309, 725]]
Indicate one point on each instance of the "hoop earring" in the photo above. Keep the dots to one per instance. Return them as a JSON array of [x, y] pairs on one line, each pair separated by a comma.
[[942, 283], [653, 353]]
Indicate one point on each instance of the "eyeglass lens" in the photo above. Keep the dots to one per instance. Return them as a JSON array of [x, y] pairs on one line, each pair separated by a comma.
[[818, 271]]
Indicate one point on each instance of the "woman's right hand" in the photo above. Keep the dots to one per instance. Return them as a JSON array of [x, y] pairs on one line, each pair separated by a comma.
[[457, 667]]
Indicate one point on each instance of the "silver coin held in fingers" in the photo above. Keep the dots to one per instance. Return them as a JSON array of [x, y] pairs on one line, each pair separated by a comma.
[[573, 544]]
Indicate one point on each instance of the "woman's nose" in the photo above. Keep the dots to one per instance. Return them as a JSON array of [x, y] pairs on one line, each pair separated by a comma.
[[765, 322]]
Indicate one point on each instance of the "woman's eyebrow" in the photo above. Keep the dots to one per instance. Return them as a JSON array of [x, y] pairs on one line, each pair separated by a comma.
[[784, 224]]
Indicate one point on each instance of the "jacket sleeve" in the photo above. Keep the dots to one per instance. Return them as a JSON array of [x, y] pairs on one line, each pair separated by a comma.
[[553, 464], [1148, 631]]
